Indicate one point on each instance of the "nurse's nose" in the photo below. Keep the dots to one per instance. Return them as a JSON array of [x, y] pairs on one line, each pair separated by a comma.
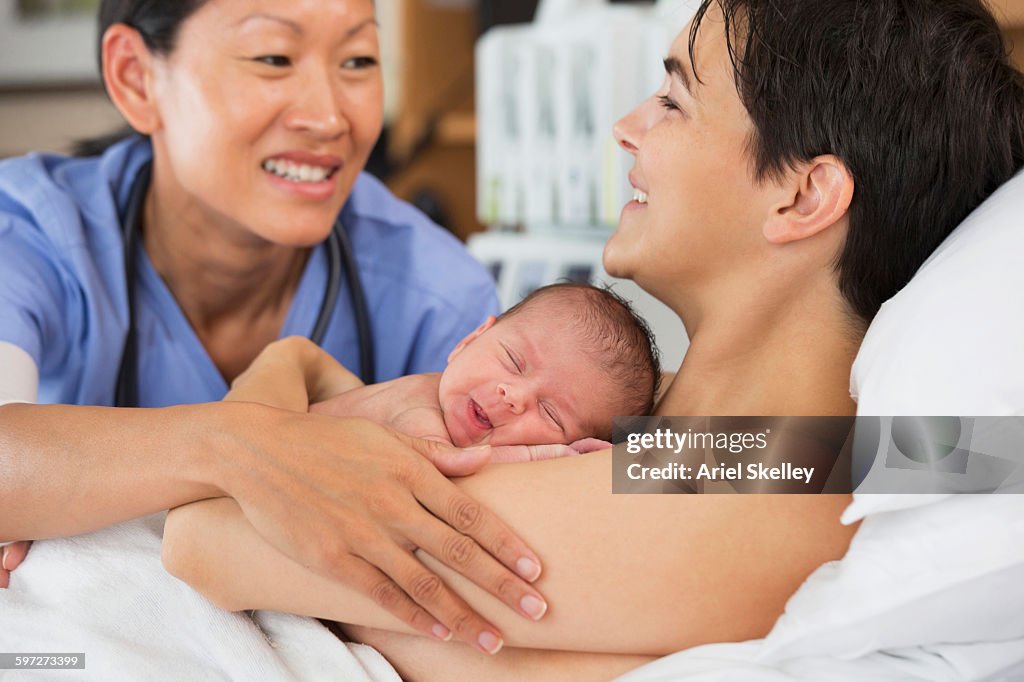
[[318, 109], [512, 398]]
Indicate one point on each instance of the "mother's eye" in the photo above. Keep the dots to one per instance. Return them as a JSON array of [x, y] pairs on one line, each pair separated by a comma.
[[668, 103]]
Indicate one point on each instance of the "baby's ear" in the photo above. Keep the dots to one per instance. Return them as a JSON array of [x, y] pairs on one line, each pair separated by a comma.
[[488, 323]]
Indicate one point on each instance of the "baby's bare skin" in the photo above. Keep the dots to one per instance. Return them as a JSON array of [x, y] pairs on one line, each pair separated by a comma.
[[407, 404]]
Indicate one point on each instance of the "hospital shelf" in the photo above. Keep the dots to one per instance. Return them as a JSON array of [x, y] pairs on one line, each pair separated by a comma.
[[432, 138], [458, 127]]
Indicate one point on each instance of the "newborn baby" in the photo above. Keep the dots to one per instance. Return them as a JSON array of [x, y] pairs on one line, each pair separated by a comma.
[[555, 368]]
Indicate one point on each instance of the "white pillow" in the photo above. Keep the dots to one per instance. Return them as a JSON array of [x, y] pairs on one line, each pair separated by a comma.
[[952, 341]]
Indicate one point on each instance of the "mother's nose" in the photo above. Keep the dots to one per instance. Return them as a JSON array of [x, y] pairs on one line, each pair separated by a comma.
[[513, 398], [630, 129]]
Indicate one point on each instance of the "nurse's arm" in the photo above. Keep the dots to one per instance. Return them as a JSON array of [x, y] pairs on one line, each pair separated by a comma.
[[346, 497], [637, 574]]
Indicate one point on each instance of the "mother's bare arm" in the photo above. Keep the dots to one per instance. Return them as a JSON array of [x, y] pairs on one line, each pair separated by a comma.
[[421, 659], [638, 574]]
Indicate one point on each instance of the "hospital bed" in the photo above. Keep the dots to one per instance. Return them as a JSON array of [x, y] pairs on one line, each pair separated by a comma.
[[931, 588]]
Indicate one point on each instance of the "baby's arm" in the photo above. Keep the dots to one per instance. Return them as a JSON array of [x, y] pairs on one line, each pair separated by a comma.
[[292, 373], [427, 422], [407, 404], [424, 422], [410, 405]]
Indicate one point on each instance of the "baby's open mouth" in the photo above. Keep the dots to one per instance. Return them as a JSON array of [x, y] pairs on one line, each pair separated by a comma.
[[479, 414], [298, 172]]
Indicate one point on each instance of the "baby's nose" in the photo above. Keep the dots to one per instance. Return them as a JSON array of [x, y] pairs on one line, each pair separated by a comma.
[[511, 398]]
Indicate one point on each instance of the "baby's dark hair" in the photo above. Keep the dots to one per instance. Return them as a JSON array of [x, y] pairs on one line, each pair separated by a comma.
[[613, 333]]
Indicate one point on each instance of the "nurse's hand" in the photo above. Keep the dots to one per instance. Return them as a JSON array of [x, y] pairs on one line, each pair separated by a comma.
[[352, 500], [11, 557]]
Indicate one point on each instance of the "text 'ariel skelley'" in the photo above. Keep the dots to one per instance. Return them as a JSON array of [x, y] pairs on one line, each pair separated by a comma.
[[734, 442], [755, 471]]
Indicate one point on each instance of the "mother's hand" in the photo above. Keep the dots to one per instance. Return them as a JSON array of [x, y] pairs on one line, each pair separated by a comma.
[[11, 557], [352, 500]]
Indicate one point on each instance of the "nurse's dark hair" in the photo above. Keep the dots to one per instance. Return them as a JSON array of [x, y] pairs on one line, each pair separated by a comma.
[[609, 330], [916, 97], [158, 22]]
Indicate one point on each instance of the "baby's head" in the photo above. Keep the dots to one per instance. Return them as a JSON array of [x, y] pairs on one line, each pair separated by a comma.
[[554, 368]]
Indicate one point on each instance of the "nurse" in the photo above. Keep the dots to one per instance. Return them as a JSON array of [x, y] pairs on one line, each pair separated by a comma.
[[152, 276]]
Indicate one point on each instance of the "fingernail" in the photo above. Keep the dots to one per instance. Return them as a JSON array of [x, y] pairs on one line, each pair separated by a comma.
[[528, 569], [533, 607], [3, 562], [441, 632], [490, 642]]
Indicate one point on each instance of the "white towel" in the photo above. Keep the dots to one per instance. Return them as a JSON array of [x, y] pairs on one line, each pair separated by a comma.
[[107, 595]]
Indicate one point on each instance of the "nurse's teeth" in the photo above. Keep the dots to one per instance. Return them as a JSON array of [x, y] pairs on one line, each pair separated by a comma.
[[639, 197], [294, 172]]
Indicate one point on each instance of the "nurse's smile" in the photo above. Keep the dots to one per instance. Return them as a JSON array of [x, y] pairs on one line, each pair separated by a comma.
[[308, 175]]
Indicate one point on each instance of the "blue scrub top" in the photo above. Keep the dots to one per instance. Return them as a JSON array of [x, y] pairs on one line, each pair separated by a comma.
[[63, 296]]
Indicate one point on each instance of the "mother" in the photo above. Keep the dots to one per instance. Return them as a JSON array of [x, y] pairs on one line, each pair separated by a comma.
[[800, 161], [256, 120]]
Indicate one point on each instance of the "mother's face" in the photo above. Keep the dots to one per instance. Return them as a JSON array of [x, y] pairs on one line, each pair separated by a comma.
[[268, 111], [689, 141]]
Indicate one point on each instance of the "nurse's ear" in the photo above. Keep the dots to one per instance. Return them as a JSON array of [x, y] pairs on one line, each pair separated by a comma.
[[472, 336], [128, 77], [814, 196]]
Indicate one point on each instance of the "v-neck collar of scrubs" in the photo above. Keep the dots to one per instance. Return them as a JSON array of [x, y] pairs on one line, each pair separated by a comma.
[[299, 321]]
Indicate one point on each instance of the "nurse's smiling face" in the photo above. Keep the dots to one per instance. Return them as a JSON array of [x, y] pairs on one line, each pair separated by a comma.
[[266, 112]]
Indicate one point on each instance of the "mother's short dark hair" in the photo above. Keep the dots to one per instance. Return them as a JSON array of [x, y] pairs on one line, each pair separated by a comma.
[[918, 99]]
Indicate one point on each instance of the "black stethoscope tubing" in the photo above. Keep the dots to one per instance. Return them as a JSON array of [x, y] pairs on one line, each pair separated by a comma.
[[340, 257]]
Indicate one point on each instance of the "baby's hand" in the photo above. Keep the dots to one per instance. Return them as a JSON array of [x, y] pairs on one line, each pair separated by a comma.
[[535, 453], [513, 454], [590, 445]]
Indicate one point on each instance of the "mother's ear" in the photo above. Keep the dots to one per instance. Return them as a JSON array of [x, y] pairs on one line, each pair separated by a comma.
[[819, 196], [128, 77]]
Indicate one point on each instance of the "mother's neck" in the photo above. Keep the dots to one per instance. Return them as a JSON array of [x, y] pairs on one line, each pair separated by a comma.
[[792, 357]]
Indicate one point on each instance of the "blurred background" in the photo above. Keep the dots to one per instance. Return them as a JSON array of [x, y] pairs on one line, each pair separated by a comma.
[[498, 116]]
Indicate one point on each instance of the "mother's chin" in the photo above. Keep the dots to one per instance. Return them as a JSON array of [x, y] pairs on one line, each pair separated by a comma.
[[614, 257]]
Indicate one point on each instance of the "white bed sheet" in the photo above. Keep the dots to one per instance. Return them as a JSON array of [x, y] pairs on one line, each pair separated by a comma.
[[106, 595]]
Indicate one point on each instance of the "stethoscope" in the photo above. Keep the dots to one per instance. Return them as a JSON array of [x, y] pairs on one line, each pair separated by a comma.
[[339, 254]]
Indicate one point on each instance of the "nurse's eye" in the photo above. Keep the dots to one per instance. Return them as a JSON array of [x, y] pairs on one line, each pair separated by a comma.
[[276, 60], [365, 62]]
